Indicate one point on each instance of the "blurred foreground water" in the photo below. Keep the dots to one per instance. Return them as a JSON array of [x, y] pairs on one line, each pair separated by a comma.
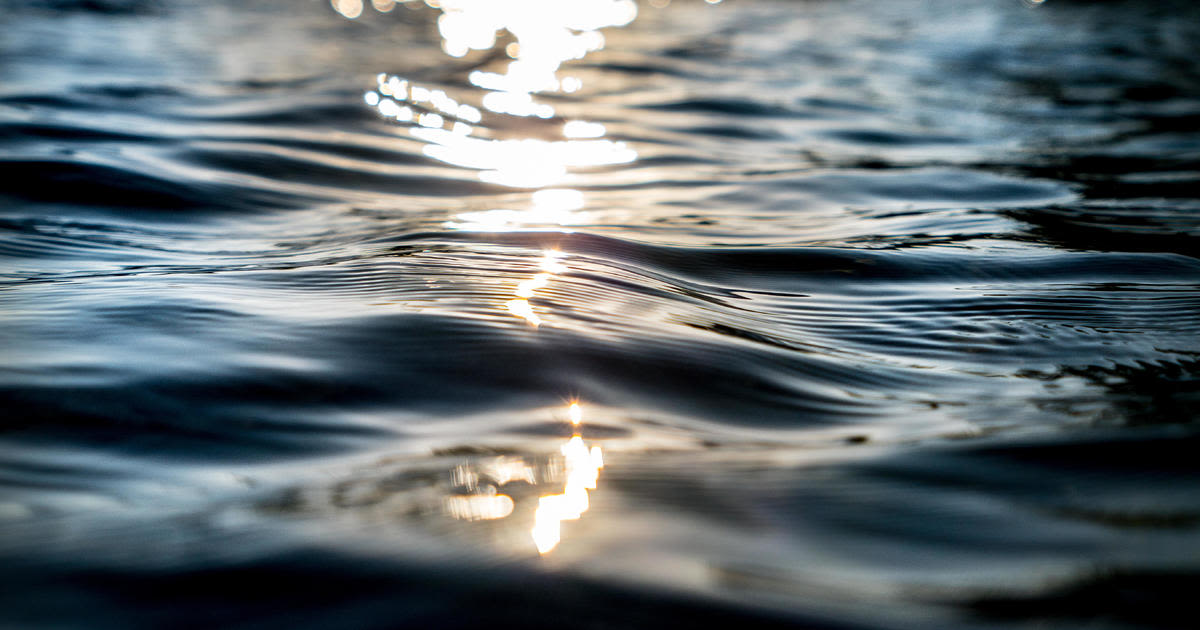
[[599, 314]]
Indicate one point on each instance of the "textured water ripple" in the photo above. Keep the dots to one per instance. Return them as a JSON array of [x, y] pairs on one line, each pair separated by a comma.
[[879, 316]]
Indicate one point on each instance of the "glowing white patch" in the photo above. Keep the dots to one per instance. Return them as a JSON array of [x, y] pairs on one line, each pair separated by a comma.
[[583, 129]]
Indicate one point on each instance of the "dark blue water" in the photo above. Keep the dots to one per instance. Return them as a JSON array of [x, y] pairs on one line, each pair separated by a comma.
[[831, 314]]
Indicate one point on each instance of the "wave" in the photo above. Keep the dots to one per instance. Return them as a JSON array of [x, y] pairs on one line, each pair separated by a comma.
[[873, 322]]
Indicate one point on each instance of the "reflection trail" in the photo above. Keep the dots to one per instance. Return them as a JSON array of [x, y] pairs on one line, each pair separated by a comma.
[[449, 129], [520, 306], [577, 469], [547, 34], [552, 207], [582, 467]]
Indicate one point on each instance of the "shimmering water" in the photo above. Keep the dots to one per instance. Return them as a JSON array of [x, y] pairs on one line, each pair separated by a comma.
[[587, 313]]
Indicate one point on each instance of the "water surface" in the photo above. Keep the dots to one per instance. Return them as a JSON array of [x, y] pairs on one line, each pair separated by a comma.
[[832, 314]]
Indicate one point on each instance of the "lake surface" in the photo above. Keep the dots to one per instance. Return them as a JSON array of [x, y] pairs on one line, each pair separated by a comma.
[[594, 314]]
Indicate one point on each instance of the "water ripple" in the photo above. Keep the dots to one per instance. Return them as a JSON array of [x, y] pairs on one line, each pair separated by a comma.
[[881, 316]]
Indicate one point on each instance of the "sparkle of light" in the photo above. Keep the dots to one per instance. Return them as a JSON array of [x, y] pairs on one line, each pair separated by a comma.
[[348, 8], [582, 471], [479, 507]]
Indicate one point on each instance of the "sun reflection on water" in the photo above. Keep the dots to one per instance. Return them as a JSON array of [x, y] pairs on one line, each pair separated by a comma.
[[577, 469], [542, 36], [582, 466], [552, 207], [477, 507], [547, 34], [526, 289]]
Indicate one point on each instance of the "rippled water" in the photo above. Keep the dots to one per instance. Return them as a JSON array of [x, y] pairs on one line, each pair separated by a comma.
[[846, 314]]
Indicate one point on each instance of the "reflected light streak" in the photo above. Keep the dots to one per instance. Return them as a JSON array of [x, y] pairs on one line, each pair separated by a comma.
[[518, 163], [578, 470], [549, 262], [521, 308], [582, 471], [526, 290], [523, 163], [479, 507], [548, 33], [550, 207], [583, 129]]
